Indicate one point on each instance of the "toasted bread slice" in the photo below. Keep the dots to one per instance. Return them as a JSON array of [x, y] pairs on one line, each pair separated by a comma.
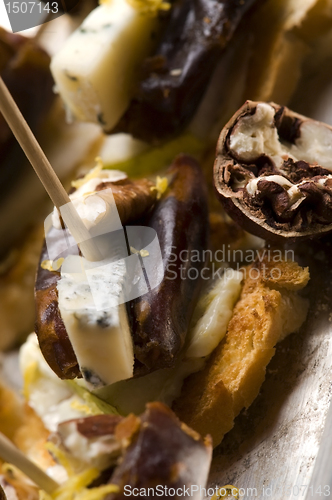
[[269, 308]]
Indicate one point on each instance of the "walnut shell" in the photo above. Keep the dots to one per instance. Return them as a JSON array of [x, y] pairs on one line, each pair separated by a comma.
[[273, 172]]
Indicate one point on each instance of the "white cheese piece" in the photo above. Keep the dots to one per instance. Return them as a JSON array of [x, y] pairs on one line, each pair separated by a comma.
[[49, 396], [101, 338], [212, 326], [95, 69]]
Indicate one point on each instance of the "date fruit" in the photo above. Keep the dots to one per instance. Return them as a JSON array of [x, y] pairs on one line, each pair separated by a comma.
[[161, 317], [24, 67], [176, 77], [160, 450]]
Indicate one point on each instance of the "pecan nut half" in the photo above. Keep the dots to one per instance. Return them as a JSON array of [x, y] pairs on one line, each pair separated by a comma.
[[273, 172]]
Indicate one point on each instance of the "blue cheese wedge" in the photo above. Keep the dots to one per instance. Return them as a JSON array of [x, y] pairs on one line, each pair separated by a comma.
[[95, 69], [100, 336]]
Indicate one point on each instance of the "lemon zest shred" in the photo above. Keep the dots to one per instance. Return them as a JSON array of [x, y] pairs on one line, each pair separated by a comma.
[[75, 488], [96, 405], [91, 174], [52, 265], [149, 6], [47, 265], [60, 457], [68, 490], [142, 253], [30, 375], [84, 408], [161, 186], [11, 470]]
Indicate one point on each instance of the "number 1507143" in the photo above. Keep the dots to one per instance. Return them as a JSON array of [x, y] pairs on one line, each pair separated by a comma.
[[30, 7]]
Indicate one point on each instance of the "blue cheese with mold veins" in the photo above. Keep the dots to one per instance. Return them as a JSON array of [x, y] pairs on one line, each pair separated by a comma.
[[95, 69], [101, 335]]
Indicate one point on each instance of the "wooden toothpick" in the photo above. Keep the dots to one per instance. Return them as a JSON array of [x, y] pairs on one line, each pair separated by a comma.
[[45, 172], [13, 455]]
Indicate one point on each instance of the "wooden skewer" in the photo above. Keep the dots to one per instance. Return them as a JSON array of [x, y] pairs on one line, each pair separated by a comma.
[[13, 455], [46, 174], [77, 228]]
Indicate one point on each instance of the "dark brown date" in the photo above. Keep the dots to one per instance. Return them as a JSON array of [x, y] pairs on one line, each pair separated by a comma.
[[24, 68], [50, 329], [133, 198], [175, 79], [161, 317], [162, 451]]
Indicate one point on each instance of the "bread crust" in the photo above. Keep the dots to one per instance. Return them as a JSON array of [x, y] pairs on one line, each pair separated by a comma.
[[267, 311]]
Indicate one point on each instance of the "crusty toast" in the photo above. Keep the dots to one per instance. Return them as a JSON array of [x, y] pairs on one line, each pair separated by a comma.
[[269, 308]]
